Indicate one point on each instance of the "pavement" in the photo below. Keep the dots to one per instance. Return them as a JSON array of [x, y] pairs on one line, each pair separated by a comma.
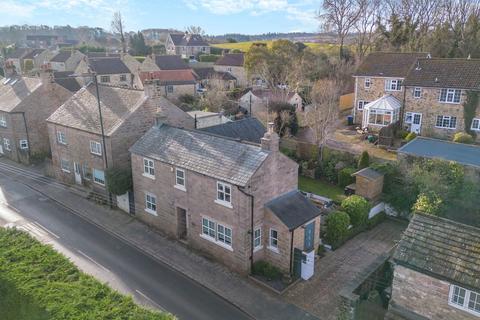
[[132, 256]]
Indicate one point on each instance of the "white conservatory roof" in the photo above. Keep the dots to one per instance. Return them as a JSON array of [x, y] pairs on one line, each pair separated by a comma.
[[387, 102]]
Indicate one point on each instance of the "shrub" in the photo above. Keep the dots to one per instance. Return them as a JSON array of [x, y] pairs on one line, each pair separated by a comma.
[[267, 270], [364, 160], [345, 176], [119, 181], [208, 58], [463, 137], [410, 136], [216, 51], [357, 208], [401, 134], [337, 227], [187, 98], [428, 203]]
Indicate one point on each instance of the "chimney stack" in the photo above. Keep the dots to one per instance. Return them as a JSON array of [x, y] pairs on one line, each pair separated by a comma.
[[10, 70], [271, 140], [46, 75]]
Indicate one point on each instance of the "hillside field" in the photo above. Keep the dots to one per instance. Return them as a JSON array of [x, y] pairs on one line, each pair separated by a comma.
[[244, 46]]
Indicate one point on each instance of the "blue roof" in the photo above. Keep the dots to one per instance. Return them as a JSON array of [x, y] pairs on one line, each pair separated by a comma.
[[439, 149]]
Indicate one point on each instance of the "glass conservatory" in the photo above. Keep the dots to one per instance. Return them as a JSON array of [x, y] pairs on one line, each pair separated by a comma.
[[381, 112]]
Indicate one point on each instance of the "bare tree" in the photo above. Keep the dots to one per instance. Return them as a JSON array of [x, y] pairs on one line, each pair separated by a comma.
[[195, 30], [118, 26], [367, 26]]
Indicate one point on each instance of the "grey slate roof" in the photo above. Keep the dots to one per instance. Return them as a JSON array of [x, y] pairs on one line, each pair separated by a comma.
[[231, 59], [12, 95], [441, 248], [108, 66], [205, 73], [62, 56], [248, 129], [293, 209], [32, 54], [188, 40], [368, 173], [93, 55], [170, 62], [18, 53], [63, 78], [217, 157], [388, 64], [439, 149]]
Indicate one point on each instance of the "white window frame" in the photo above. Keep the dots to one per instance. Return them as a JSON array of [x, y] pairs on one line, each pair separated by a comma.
[[465, 306], [475, 124], [6, 144], [361, 104], [104, 79], [87, 173], [61, 138], [257, 239], [149, 168], [382, 114], [151, 203], [273, 241], [123, 77], [417, 90], [222, 193], [368, 83], [95, 148], [23, 143], [393, 84], [63, 167], [446, 118], [449, 92], [180, 182], [217, 233], [3, 121], [95, 179]]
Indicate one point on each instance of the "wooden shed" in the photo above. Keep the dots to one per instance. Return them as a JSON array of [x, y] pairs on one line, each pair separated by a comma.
[[368, 183]]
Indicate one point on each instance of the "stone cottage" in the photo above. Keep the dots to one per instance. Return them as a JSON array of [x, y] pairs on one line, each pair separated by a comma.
[[109, 70], [233, 63], [186, 45], [66, 60], [173, 83]]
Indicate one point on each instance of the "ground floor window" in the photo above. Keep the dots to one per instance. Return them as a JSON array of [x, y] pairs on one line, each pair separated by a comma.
[[87, 173], [476, 124], [465, 299], [446, 122], [23, 144], [382, 117], [99, 177], [257, 238], [217, 232], [361, 104], [65, 165], [273, 239], [6, 144], [151, 203]]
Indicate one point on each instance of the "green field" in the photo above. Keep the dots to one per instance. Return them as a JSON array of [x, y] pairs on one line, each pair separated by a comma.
[[244, 46]]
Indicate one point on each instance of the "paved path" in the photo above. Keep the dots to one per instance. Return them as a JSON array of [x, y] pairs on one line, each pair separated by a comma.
[[255, 301], [321, 294]]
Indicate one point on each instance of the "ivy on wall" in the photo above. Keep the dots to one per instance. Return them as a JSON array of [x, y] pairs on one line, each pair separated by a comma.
[[469, 110]]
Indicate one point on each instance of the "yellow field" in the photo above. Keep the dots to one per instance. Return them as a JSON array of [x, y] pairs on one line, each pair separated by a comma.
[[244, 46]]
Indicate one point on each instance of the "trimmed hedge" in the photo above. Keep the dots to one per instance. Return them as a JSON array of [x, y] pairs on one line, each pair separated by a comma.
[[119, 181], [410, 136], [55, 285], [357, 209], [345, 177], [337, 228]]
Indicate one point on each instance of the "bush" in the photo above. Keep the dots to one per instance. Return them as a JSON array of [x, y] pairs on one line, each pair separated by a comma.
[[401, 134], [208, 57], [216, 51], [377, 219], [410, 136], [119, 181], [364, 160], [463, 137], [345, 176], [265, 269], [337, 227], [357, 209]]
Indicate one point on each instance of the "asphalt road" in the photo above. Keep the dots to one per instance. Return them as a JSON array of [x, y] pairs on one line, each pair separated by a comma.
[[111, 260]]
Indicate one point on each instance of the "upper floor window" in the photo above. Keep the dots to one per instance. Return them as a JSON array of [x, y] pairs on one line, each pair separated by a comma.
[[151, 203], [393, 85], [450, 95], [417, 92], [224, 194], [464, 299], [476, 124], [61, 137], [180, 179], [96, 148], [169, 89], [3, 121], [23, 144], [148, 168], [123, 77], [361, 104], [368, 83], [446, 122], [104, 79], [6, 144]]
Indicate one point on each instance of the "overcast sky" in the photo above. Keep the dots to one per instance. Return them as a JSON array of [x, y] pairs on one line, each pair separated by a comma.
[[214, 16]]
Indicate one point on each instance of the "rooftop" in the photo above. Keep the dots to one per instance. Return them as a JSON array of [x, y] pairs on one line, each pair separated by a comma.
[[211, 155], [64, 79], [170, 62], [91, 55], [248, 129], [13, 92], [368, 173], [387, 102], [62, 56], [32, 54], [180, 39], [231, 59], [108, 66], [169, 77], [18, 53], [388, 64], [440, 149], [204, 73], [441, 248]]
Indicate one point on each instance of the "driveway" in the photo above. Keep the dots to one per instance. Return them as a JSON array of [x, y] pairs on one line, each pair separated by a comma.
[[321, 294]]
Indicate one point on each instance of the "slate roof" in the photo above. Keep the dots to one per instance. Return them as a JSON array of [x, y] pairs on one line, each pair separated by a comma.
[[62, 56], [63, 78], [293, 209], [32, 54], [214, 156], [231, 59], [169, 77], [170, 62], [189, 40], [368, 173], [248, 129], [12, 95], [18, 53], [273, 96], [388, 64], [81, 110], [108, 66], [440, 149], [208, 72], [441, 248], [445, 73], [102, 55]]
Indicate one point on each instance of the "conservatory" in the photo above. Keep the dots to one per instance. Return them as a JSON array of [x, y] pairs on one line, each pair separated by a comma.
[[381, 112]]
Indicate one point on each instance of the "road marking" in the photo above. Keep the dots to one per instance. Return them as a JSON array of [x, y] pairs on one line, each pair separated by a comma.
[[92, 260], [45, 229], [150, 300]]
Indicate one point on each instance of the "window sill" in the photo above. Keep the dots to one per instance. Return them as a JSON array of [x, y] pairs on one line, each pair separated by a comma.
[[273, 249], [445, 102], [463, 308], [257, 249], [100, 184], [224, 203], [151, 212], [96, 154], [221, 244], [66, 171], [146, 175], [446, 128], [180, 187]]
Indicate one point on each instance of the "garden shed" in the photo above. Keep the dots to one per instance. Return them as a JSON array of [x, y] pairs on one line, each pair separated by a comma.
[[368, 183]]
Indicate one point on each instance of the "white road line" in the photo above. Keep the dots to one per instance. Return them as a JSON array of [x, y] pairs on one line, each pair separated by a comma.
[[98, 264], [150, 300], [40, 226]]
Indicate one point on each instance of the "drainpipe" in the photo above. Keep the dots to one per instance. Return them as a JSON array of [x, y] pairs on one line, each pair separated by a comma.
[[291, 253], [252, 200], [402, 108]]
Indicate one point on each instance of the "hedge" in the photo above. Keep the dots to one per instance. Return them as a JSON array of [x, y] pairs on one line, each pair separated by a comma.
[[53, 283], [345, 176], [119, 181], [364, 160], [357, 209], [463, 137], [410, 136], [267, 270], [337, 227]]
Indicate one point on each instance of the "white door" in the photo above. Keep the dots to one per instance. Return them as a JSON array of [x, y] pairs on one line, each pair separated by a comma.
[[308, 264], [78, 174], [416, 122]]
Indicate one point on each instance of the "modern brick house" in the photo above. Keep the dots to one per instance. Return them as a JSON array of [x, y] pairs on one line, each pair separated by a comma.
[[436, 90], [66, 60], [186, 45], [233, 64], [173, 82], [78, 154], [25, 104], [237, 202], [437, 271]]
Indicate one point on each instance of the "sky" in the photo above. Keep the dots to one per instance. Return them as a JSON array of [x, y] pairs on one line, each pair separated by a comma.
[[214, 16]]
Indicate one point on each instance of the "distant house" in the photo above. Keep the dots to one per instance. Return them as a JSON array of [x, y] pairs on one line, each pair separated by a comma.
[[41, 41], [186, 45], [173, 83], [207, 77], [67, 80], [66, 60], [257, 100], [436, 271], [247, 129], [25, 103], [111, 71], [14, 60], [37, 58], [233, 64], [205, 119]]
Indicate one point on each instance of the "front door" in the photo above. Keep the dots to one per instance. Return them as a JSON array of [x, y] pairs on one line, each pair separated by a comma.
[[181, 223], [78, 173], [416, 122], [309, 236]]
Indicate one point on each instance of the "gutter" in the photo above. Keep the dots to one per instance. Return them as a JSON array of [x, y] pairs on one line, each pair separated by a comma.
[[252, 200]]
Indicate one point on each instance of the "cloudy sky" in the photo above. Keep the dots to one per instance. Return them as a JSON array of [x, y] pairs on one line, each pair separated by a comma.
[[214, 16]]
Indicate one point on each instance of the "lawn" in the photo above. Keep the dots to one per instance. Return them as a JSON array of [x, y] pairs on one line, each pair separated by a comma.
[[321, 188], [37, 283], [244, 46]]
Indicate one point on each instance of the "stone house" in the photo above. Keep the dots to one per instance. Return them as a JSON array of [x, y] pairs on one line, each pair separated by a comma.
[[163, 62], [208, 77], [235, 201], [66, 60], [436, 90], [186, 45], [233, 64], [257, 100], [78, 153], [205, 119], [436, 271], [37, 58], [381, 75], [14, 60], [25, 104], [109, 70], [174, 83]]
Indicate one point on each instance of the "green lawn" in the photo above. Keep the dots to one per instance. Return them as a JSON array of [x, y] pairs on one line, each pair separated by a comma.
[[322, 188]]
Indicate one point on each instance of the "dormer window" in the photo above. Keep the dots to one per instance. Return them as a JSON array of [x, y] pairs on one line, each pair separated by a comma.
[[368, 83], [393, 85]]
